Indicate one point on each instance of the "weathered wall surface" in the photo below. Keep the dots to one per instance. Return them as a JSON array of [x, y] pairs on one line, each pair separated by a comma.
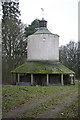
[[43, 47]]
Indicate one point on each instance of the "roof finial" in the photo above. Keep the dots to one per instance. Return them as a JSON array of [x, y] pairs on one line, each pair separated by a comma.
[[42, 13]]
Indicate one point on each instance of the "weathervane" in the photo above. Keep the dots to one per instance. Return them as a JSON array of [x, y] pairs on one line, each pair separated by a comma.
[[42, 13]]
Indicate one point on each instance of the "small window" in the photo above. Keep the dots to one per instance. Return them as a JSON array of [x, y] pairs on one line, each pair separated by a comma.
[[44, 39]]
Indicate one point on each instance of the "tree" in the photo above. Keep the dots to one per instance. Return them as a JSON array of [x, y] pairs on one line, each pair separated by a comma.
[[13, 39], [32, 28], [78, 54], [68, 56]]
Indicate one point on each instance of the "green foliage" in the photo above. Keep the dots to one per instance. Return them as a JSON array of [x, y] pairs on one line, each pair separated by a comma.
[[32, 28]]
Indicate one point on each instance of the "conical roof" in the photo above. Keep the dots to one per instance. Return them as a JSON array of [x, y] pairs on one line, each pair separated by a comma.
[[43, 31], [43, 67], [43, 28]]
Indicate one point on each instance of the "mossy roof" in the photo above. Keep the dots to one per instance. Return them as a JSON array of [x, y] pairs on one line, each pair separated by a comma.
[[43, 67], [44, 31]]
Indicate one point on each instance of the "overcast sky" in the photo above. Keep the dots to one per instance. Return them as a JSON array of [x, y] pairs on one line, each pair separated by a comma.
[[62, 16]]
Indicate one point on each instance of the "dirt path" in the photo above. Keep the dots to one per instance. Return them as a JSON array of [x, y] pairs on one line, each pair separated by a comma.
[[13, 113], [54, 112]]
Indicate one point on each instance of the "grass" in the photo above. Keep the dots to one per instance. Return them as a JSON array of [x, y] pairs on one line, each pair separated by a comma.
[[72, 110], [14, 95], [34, 112]]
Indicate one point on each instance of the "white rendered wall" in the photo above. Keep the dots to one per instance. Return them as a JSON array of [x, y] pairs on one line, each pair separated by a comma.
[[43, 47]]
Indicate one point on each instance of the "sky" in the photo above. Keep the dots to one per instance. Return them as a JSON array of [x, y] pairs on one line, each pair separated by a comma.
[[62, 16]]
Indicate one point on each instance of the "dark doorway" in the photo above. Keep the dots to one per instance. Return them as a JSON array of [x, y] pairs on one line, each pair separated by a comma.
[[66, 79], [39, 79], [25, 78], [54, 79]]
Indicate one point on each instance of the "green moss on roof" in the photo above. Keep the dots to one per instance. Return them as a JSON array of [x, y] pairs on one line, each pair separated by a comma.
[[42, 67], [43, 31]]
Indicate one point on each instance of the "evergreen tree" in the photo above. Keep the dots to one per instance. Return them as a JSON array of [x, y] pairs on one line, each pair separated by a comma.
[[32, 28]]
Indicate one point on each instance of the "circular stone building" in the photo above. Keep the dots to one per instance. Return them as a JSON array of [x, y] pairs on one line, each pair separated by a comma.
[[43, 45], [42, 66]]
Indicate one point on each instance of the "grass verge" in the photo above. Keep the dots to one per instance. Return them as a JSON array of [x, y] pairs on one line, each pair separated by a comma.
[[36, 111], [72, 110], [14, 95]]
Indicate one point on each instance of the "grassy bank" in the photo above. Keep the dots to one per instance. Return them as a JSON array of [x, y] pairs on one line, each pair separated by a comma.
[[71, 110], [35, 111], [14, 95]]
